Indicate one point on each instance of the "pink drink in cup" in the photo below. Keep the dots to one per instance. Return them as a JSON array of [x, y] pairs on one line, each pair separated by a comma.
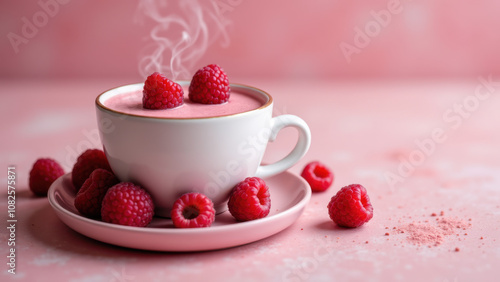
[[131, 103]]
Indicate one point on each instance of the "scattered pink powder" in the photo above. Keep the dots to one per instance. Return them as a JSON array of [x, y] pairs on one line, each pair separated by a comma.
[[432, 233], [423, 234]]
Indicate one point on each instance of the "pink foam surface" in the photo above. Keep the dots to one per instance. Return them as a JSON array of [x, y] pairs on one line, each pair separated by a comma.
[[363, 130], [131, 103]]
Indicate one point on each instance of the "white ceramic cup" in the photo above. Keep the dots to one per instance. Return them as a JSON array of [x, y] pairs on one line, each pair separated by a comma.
[[172, 156]]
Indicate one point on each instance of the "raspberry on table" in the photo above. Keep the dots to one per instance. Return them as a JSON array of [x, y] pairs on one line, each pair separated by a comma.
[[86, 163], [127, 204], [250, 199], [318, 175], [209, 86], [161, 93], [88, 200], [351, 206], [193, 210], [43, 173]]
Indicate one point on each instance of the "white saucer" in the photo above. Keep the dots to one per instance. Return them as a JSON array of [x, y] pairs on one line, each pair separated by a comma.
[[289, 196]]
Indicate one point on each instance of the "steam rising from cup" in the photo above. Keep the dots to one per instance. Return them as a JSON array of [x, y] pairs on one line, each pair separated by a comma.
[[182, 32]]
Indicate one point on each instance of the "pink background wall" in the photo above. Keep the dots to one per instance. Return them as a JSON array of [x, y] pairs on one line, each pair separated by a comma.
[[272, 39]]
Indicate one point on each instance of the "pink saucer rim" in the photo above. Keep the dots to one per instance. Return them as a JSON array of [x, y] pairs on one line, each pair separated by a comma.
[[213, 229]]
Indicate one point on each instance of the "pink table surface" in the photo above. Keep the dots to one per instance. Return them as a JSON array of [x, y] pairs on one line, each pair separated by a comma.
[[363, 130]]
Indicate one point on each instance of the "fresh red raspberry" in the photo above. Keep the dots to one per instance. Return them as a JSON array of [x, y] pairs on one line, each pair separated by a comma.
[[161, 93], [250, 199], [193, 210], [351, 206], [86, 163], [88, 200], [127, 204], [44, 172], [318, 175], [209, 86]]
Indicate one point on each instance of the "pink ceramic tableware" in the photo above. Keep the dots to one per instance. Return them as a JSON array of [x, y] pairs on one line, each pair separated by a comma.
[[290, 195]]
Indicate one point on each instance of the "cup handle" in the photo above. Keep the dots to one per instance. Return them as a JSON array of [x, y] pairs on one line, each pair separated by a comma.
[[303, 143]]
